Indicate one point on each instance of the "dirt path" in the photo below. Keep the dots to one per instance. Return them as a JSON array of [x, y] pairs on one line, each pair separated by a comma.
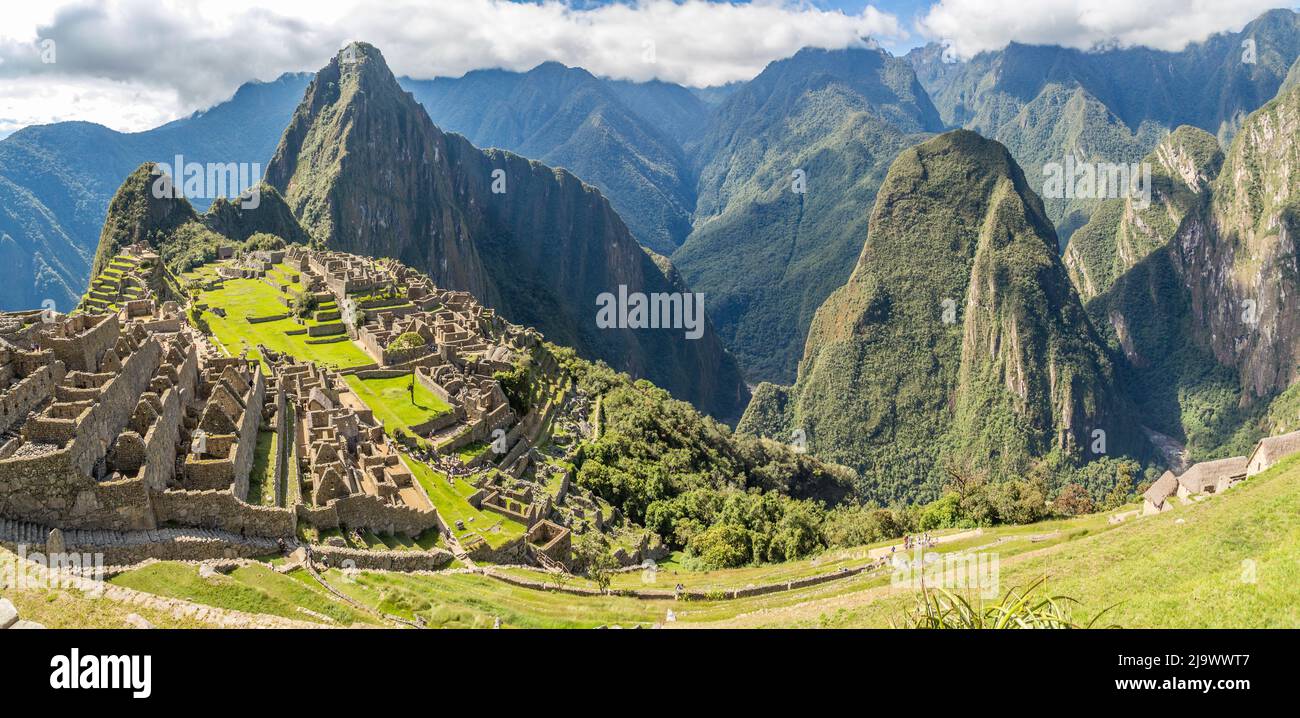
[[811, 608]]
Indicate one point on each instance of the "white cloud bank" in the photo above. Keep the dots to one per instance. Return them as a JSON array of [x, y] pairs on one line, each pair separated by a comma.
[[133, 64], [973, 26], [198, 53]]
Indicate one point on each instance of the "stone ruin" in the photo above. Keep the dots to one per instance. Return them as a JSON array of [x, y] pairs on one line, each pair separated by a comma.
[[125, 287], [222, 426], [344, 449], [90, 419], [130, 423]]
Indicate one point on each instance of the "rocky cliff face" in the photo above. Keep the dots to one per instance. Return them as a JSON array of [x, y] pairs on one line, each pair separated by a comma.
[[1123, 231], [1239, 259], [566, 117], [1202, 317], [366, 171], [958, 336]]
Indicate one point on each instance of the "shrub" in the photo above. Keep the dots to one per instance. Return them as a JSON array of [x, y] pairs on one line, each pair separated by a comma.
[[941, 514], [940, 608], [408, 340], [721, 546], [1073, 500]]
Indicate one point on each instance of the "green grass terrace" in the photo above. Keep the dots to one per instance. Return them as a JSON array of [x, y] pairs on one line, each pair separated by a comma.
[[244, 298], [391, 401], [451, 501]]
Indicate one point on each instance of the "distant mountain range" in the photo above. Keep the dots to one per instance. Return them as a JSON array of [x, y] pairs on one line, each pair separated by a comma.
[[56, 182], [1044, 102]]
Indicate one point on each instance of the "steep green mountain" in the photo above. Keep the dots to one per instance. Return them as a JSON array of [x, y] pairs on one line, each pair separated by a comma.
[[182, 237], [566, 117], [1047, 102], [56, 182], [366, 171], [766, 254], [957, 339], [1203, 318]]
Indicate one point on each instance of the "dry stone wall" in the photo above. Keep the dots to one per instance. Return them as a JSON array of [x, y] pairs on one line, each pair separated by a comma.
[[221, 509]]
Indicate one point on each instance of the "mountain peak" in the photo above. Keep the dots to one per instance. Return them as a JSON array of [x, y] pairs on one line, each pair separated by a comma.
[[957, 338], [366, 171], [142, 210]]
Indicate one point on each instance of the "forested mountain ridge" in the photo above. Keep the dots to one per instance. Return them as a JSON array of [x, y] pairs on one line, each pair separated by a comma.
[[787, 165], [1108, 105], [958, 339]]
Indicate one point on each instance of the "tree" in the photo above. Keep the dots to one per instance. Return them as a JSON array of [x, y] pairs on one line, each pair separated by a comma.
[[592, 556], [940, 514], [303, 305], [722, 546], [1073, 501], [407, 340]]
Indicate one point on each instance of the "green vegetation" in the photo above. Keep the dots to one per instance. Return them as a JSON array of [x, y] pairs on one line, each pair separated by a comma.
[[764, 254], [941, 608], [261, 478], [253, 589], [469, 452], [518, 384], [450, 498], [409, 340], [243, 298], [958, 336], [1226, 562], [1199, 373], [679, 473], [1122, 233], [393, 404]]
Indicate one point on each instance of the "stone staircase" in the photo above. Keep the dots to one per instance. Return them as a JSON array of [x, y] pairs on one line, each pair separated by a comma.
[[126, 547]]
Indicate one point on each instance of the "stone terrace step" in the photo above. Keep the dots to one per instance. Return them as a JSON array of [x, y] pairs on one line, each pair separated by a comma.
[[23, 532]]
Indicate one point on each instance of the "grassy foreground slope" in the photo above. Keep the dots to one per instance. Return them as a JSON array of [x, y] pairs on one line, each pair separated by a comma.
[[1226, 562]]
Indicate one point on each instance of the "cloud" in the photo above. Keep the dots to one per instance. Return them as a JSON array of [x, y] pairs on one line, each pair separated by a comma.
[[197, 53], [973, 26], [33, 100]]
